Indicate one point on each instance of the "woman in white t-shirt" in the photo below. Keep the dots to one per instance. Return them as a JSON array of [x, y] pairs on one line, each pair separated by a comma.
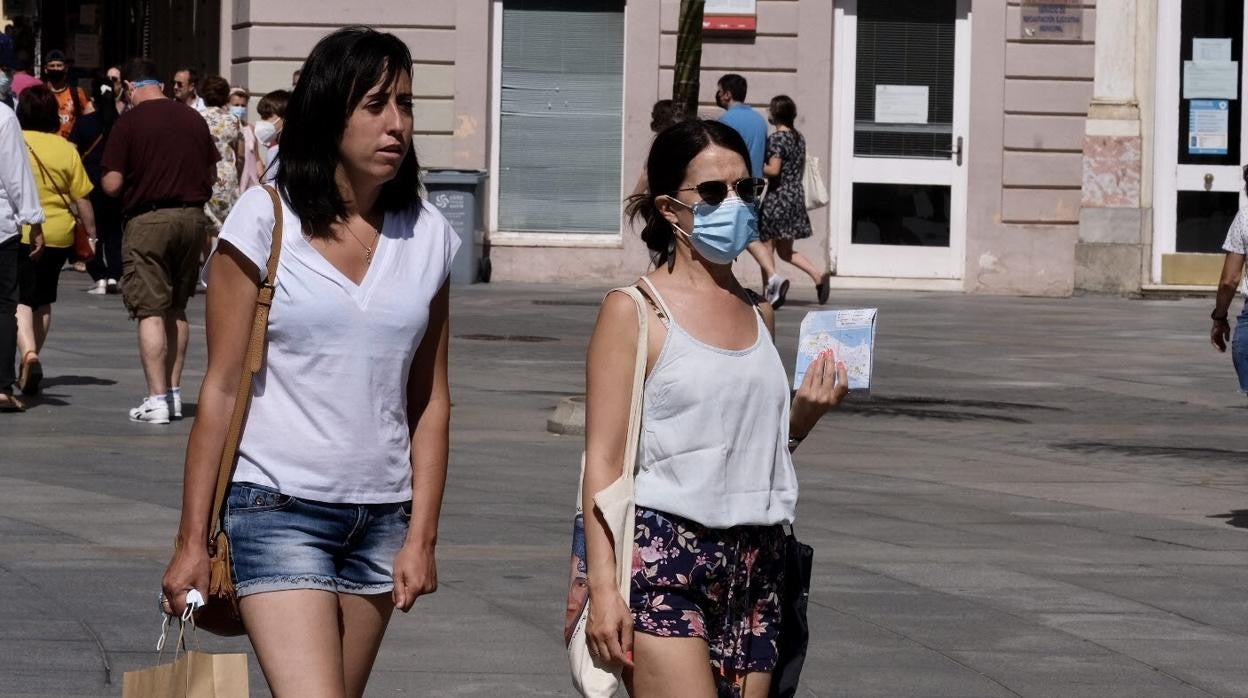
[[1236, 247], [333, 511]]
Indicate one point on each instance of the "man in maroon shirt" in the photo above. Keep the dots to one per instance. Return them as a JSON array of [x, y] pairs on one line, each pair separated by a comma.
[[161, 160]]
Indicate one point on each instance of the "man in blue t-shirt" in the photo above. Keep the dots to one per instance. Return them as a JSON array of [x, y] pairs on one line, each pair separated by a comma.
[[753, 128], [742, 117]]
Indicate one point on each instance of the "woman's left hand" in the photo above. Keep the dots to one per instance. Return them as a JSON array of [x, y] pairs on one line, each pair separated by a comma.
[[826, 384], [415, 574]]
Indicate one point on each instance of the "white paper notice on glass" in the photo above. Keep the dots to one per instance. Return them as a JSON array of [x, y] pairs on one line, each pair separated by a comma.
[[1211, 50], [901, 104], [1209, 126], [1211, 80]]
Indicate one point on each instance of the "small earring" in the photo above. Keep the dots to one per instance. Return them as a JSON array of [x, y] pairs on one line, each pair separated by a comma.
[[671, 253]]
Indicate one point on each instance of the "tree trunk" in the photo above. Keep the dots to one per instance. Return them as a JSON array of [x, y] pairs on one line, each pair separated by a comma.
[[688, 60]]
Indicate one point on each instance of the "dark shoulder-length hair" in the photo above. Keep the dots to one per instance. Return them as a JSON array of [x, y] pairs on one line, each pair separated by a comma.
[[342, 68], [38, 110], [670, 154]]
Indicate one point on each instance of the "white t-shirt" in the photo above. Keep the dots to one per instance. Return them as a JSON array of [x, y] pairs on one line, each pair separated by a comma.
[[1237, 241], [328, 418]]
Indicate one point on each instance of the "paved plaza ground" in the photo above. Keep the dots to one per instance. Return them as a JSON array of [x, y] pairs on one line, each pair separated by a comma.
[[1040, 499]]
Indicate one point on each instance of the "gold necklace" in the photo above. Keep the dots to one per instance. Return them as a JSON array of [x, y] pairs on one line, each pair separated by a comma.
[[368, 249]]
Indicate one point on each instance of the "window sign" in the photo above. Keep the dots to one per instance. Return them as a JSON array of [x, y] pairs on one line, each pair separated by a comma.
[[1211, 50], [1052, 20], [1205, 80], [721, 17], [1209, 127], [901, 104], [86, 49]]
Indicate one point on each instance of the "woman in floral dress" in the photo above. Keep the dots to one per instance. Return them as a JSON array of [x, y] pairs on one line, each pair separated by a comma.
[[228, 135], [782, 218]]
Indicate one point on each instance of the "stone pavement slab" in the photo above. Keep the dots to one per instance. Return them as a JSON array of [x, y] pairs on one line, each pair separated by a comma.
[[1037, 500]]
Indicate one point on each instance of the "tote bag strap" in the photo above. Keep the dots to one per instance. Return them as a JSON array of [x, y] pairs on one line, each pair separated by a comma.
[[633, 439], [253, 360], [616, 501]]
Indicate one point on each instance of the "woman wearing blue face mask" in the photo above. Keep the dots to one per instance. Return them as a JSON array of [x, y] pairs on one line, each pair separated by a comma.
[[714, 477], [249, 172]]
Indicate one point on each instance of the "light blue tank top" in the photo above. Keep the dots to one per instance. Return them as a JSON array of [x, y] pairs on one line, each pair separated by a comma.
[[715, 432]]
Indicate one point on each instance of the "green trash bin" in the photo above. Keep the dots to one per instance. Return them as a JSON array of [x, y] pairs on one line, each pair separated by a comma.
[[459, 195]]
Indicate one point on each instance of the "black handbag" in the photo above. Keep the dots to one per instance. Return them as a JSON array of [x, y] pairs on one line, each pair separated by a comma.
[[794, 628]]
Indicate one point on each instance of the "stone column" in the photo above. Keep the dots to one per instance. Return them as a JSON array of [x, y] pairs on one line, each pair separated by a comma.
[[1109, 254]]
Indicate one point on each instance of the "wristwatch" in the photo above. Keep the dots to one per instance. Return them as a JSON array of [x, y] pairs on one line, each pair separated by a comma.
[[1216, 318], [795, 441]]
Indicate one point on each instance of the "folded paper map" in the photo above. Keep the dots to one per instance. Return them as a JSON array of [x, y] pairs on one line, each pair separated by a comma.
[[849, 333]]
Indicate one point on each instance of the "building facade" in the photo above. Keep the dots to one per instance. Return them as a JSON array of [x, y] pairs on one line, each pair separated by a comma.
[[988, 146]]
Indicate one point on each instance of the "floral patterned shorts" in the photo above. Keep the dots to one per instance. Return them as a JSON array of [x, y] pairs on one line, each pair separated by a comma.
[[722, 585]]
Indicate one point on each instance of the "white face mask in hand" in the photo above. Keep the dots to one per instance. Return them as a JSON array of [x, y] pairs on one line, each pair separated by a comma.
[[266, 133]]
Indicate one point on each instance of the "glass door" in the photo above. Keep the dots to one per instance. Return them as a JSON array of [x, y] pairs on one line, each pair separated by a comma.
[[899, 145], [1200, 123]]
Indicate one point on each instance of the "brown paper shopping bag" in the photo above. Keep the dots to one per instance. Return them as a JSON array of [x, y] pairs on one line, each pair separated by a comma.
[[191, 675]]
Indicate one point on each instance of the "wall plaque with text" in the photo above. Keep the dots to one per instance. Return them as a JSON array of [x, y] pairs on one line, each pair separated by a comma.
[[1052, 20]]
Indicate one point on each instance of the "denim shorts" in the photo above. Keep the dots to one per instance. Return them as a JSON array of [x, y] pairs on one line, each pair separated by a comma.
[[279, 542], [721, 585], [1239, 349]]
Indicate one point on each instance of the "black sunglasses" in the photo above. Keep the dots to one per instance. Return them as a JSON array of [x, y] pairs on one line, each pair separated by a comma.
[[714, 192]]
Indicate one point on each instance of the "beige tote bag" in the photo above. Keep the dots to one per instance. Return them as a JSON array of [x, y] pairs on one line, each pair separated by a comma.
[[590, 678]]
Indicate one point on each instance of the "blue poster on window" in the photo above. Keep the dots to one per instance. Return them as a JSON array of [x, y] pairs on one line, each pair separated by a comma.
[[1209, 125]]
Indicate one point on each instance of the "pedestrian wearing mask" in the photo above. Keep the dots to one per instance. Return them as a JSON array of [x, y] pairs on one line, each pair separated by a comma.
[[714, 480], [71, 101], [114, 79], [330, 527], [249, 169], [162, 162], [272, 110]]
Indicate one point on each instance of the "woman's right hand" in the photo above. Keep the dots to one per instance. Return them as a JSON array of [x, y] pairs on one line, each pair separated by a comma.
[[609, 631], [1220, 334], [187, 570]]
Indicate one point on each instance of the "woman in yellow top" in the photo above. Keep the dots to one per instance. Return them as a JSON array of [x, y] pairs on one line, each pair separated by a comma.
[[61, 180]]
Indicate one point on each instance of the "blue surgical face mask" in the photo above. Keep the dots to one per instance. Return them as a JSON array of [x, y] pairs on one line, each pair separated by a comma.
[[721, 233], [239, 113]]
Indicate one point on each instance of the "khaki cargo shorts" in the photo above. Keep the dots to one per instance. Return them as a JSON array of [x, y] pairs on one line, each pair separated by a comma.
[[160, 260]]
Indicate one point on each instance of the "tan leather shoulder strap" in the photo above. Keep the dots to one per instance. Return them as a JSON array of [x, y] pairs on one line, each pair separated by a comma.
[[252, 362]]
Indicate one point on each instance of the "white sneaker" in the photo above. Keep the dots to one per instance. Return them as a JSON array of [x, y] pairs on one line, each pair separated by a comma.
[[99, 289], [174, 399], [153, 410], [777, 287], [113, 287]]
